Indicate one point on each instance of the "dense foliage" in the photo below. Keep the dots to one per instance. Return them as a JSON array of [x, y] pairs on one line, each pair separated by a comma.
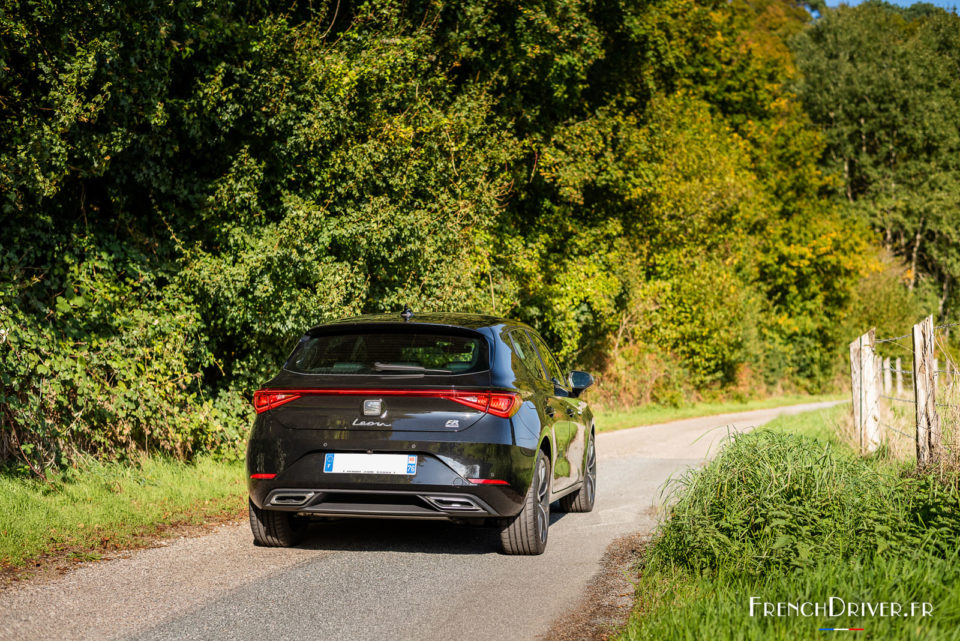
[[187, 186], [882, 83]]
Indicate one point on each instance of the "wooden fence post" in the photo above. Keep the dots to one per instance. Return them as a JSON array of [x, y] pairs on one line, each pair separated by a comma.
[[871, 406], [856, 389], [899, 377], [887, 377], [924, 389], [865, 384], [878, 375]]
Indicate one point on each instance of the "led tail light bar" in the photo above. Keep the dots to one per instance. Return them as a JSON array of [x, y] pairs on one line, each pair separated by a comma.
[[502, 404]]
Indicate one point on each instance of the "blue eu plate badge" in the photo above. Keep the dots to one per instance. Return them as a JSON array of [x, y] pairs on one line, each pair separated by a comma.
[[328, 463], [412, 464]]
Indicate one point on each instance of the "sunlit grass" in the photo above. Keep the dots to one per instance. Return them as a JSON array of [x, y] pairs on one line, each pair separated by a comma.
[[105, 506], [676, 603], [607, 420], [825, 424]]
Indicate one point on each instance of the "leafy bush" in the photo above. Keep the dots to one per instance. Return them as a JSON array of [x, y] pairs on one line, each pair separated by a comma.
[[187, 187], [115, 368]]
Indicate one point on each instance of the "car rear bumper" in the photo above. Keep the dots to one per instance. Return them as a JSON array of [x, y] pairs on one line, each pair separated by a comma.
[[444, 485], [382, 503], [436, 491]]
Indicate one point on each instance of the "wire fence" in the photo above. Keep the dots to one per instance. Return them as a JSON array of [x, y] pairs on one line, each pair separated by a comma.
[[906, 394]]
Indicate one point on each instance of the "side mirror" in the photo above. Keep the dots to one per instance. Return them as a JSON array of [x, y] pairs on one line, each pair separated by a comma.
[[579, 381]]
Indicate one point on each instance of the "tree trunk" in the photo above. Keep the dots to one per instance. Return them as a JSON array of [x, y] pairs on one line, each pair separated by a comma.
[[846, 177], [943, 296], [916, 252]]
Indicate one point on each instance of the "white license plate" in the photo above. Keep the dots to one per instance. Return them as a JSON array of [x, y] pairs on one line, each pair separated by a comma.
[[370, 463]]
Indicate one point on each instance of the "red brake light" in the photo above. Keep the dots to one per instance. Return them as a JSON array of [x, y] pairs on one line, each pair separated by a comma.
[[263, 476], [488, 482], [505, 405], [264, 400], [499, 404], [502, 404], [478, 401]]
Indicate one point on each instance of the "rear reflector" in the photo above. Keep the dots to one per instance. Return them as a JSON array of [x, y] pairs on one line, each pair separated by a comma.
[[488, 482], [263, 476], [502, 404]]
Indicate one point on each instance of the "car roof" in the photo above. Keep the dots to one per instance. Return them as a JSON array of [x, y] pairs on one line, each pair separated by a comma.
[[445, 319]]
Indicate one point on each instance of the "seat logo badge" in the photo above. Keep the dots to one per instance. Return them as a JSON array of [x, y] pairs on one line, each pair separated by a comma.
[[372, 407], [453, 423]]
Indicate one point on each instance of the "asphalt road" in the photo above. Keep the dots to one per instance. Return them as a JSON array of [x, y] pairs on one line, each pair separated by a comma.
[[371, 580]]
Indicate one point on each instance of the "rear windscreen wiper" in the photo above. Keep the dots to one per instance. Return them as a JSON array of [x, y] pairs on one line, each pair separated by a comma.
[[419, 369]]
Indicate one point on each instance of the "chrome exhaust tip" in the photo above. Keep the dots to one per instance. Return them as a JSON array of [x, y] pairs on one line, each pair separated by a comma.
[[461, 503], [291, 499]]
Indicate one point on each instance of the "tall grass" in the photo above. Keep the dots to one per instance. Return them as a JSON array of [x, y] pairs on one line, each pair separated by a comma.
[[677, 604], [784, 516], [775, 501]]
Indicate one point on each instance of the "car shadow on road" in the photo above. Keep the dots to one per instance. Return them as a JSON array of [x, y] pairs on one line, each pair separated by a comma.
[[388, 535]]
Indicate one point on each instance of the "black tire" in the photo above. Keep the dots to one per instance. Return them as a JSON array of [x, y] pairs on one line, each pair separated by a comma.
[[582, 500], [527, 532], [275, 529]]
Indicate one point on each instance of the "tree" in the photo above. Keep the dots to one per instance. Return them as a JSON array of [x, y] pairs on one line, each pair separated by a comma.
[[882, 85]]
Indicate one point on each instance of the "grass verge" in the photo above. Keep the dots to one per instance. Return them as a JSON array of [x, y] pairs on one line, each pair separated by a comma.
[[112, 506], [608, 420], [786, 514]]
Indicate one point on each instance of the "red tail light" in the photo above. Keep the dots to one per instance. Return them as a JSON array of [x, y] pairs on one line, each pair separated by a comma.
[[264, 400], [488, 482], [502, 404], [505, 405], [263, 476]]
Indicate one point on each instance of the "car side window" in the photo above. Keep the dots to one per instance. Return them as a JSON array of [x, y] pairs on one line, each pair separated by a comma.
[[524, 351], [553, 368]]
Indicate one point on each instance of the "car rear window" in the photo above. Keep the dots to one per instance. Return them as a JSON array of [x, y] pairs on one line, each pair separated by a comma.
[[380, 353]]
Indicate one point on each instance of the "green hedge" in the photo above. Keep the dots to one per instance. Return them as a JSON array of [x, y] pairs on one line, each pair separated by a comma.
[[188, 186]]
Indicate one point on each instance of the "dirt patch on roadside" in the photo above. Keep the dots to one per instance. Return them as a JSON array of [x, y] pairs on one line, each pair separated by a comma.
[[67, 558], [606, 605]]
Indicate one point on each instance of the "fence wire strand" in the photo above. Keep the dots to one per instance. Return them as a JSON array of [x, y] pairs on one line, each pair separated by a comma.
[[898, 371], [893, 429], [894, 398], [893, 339]]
